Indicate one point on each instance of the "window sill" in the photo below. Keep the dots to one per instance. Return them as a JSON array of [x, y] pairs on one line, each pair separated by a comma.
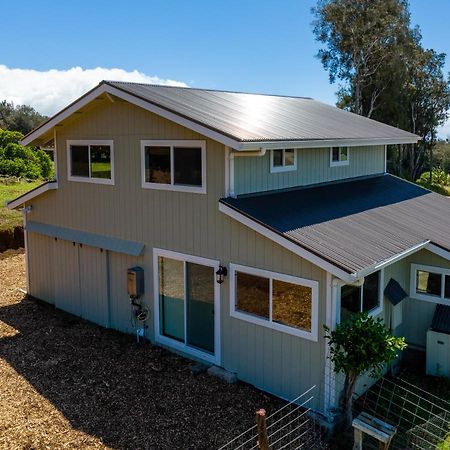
[[174, 188], [92, 180], [339, 163], [310, 336], [283, 169], [431, 299]]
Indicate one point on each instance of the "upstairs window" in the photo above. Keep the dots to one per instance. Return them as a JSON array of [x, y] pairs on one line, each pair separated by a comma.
[[339, 156], [174, 165], [366, 298], [90, 161], [283, 160], [430, 283]]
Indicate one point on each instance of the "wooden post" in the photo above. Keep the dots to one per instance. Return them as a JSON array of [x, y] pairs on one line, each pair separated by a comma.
[[263, 440]]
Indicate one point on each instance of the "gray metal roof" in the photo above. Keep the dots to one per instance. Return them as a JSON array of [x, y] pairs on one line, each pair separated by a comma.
[[441, 319], [354, 224], [257, 118]]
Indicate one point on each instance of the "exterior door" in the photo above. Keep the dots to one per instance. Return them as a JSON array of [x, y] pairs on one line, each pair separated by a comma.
[[187, 304]]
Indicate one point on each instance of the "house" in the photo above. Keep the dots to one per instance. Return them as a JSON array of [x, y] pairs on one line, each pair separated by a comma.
[[253, 221]]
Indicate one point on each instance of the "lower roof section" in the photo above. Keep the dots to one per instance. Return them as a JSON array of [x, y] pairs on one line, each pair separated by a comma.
[[354, 225], [83, 237]]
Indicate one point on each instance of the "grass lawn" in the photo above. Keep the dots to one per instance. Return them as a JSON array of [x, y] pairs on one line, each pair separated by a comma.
[[66, 383], [10, 219]]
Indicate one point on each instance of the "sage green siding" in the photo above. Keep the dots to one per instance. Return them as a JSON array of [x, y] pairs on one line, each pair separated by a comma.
[[184, 222], [252, 174], [412, 317]]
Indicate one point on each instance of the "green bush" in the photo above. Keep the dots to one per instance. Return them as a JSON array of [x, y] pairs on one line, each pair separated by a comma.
[[439, 177], [22, 162]]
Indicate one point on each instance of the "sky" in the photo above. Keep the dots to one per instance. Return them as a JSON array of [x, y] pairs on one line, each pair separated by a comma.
[[54, 51]]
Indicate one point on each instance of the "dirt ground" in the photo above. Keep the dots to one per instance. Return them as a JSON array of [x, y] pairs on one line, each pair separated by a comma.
[[69, 384]]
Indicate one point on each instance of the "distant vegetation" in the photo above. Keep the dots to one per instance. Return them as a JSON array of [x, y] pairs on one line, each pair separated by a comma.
[[22, 162], [22, 118], [371, 47]]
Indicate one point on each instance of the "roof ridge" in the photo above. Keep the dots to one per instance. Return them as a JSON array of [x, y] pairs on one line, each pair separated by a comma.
[[204, 89]]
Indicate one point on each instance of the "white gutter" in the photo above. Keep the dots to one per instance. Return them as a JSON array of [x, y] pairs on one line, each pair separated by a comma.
[[13, 204], [319, 143], [387, 262]]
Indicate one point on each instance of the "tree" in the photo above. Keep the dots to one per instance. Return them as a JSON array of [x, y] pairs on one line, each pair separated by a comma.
[[358, 345], [22, 162], [20, 118], [387, 75]]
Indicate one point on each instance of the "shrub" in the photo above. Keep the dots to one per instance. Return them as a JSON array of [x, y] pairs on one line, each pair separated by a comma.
[[22, 162]]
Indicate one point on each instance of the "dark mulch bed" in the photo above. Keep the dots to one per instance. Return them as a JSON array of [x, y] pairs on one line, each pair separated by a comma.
[[65, 383]]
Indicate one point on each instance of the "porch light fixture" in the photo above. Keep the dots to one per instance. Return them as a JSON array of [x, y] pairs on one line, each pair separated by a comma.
[[221, 274]]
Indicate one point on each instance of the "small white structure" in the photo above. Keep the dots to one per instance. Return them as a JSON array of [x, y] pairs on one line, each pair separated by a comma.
[[438, 354]]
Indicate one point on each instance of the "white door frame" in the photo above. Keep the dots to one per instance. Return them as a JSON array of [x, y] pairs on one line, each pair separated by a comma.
[[177, 345]]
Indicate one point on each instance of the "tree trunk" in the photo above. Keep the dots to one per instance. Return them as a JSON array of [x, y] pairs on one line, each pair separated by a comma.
[[349, 389]]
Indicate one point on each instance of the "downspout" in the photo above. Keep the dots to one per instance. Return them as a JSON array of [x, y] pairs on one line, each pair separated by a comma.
[[25, 210]]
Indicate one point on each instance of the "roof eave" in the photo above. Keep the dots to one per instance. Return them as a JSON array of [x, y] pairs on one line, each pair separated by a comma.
[[36, 192], [319, 143]]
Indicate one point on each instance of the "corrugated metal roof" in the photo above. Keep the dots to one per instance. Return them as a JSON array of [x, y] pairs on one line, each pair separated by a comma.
[[441, 319], [353, 224], [259, 117], [83, 237]]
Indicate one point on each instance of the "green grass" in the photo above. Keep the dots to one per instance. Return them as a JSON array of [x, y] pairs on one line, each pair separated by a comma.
[[10, 219]]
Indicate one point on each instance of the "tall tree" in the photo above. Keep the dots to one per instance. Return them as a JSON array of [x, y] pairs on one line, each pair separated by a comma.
[[21, 118], [386, 75]]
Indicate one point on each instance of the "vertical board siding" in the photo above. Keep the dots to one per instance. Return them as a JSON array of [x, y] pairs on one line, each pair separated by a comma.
[[252, 174], [184, 222], [416, 315], [40, 270]]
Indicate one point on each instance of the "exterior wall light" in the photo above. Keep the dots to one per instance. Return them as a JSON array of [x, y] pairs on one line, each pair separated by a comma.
[[221, 274]]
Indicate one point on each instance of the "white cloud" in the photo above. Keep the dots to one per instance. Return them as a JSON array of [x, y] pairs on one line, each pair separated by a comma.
[[51, 90], [444, 131]]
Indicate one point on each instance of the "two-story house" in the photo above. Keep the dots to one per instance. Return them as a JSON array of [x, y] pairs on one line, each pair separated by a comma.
[[256, 219]]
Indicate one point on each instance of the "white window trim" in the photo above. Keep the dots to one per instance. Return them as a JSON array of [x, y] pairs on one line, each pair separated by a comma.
[[90, 179], [428, 297], [283, 168], [172, 144], [339, 163], [173, 343], [314, 285]]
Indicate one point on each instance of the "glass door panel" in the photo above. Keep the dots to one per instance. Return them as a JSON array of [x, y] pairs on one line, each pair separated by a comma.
[[171, 298], [200, 306]]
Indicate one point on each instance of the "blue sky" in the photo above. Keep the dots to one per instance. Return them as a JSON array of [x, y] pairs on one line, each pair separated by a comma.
[[256, 46]]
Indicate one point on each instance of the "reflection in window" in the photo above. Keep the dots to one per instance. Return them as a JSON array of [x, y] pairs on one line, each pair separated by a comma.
[[252, 294], [292, 304], [429, 283]]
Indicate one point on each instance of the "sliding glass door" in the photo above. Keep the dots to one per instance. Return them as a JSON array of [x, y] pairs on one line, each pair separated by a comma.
[[186, 299]]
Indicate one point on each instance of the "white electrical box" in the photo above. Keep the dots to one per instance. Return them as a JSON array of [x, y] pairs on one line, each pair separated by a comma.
[[438, 354]]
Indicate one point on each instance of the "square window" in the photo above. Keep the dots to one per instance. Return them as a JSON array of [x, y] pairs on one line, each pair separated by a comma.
[[90, 161], [174, 165], [339, 156], [283, 160]]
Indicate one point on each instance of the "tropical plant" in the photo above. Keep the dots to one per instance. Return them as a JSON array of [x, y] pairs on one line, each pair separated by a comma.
[[360, 344]]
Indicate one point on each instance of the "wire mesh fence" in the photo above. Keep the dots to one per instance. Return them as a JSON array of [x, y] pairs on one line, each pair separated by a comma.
[[422, 419], [291, 427]]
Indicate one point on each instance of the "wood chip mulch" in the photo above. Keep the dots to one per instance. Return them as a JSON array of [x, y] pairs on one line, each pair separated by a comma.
[[68, 384]]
